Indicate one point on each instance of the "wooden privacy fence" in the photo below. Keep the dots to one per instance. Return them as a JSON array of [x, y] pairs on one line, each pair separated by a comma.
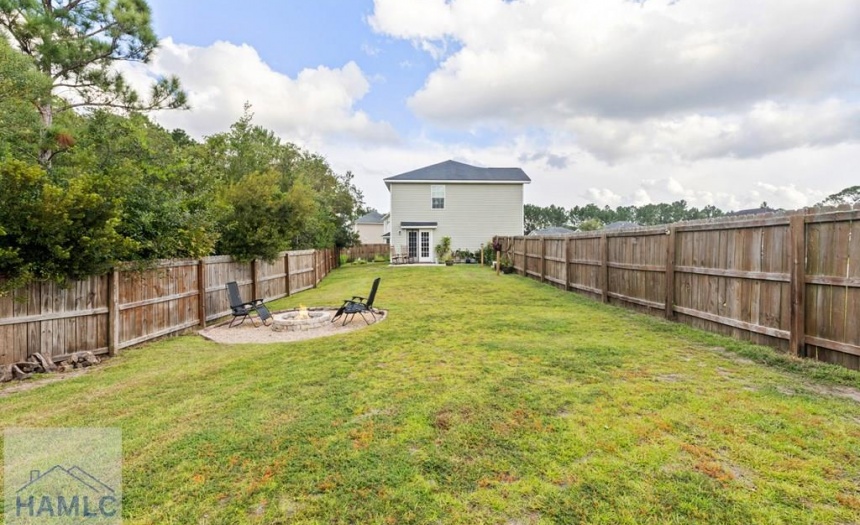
[[126, 307], [366, 251], [790, 281]]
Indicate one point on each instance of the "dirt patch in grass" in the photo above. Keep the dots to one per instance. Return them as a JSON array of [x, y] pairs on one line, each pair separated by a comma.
[[39, 380], [247, 333], [839, 391]]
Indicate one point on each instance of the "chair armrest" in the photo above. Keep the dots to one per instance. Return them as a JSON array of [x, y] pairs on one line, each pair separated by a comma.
[[354, 297]]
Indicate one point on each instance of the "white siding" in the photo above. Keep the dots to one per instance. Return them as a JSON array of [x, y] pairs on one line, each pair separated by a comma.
[[370, 233], [473, 213]]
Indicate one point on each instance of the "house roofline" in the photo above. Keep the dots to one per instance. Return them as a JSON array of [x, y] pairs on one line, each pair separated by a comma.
[[388, 183]]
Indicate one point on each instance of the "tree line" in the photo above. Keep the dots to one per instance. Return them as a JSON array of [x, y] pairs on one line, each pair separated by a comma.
[[88, 180], [592, 217]]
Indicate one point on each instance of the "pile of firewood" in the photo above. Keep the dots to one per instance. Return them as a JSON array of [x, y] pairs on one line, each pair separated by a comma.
[[38, 364]]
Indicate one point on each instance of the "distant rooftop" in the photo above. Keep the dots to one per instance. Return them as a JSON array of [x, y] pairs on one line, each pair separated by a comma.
[[453, 171], [373, 217], [620, 225], [553, 230]]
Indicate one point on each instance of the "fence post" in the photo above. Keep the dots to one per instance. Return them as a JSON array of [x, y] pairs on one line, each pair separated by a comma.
[[254, 279], [287, 271], [524, 257], [113, 312], [201, 292], [567, 243], [670, 273], [316, 268], [543, 259], [797, 334], [604, 266]]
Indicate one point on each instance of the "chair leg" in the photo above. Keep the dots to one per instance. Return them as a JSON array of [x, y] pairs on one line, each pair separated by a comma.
[[240, 322], [337, 314]]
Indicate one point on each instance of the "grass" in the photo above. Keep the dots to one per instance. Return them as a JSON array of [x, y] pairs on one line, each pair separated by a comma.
[[481, 399]]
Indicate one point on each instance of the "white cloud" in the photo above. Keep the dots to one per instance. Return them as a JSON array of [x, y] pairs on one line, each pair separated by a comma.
[[603, 197], [691, 80], [220, 78], [765, 128]]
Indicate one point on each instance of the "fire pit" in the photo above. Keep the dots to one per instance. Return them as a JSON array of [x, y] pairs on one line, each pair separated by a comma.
[[301, 320]]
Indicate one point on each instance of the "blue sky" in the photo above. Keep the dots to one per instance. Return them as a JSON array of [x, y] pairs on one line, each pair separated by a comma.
[[604, 101], [294, 35]]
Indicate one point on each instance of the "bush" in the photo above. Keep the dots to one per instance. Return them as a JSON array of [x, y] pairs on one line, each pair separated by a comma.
[[380, 258], [489, 255], [443, 249], [342, 259], [52, 232]]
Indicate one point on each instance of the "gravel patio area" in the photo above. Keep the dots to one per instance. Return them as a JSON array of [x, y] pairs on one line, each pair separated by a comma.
[[246, 333]]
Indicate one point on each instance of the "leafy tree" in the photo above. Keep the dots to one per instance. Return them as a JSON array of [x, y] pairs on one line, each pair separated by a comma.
[[169, 204], [77, 44], [48, 231], [255, 224], [850, 195], [589, 225], [319, 205], [22, 89]]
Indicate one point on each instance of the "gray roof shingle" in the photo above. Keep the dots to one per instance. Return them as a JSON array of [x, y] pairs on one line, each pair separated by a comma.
[[553, 230], [373, 217], [454, 171]]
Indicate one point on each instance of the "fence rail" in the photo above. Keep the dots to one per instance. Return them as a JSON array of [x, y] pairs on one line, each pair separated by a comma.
[[106, 313], [790, 281]]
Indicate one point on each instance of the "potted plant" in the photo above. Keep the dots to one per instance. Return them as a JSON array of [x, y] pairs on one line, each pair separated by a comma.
[[507, 265], [443, 249]]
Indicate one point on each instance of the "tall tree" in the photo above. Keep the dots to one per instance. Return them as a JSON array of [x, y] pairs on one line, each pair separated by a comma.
[[22, 89], [850, 195], [78, 43]]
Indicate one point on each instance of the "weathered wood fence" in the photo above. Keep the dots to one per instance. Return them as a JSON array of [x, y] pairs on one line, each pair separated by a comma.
[[126, 307], [790, 281], [366, 251]]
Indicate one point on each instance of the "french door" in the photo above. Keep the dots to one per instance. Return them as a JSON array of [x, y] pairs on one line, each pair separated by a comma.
[[420, 245]]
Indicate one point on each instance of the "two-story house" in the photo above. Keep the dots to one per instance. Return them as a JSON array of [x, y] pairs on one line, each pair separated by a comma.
[[467, 203]]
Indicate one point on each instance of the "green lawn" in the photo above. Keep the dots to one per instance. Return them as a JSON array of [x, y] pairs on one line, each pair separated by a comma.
[[481, 399]]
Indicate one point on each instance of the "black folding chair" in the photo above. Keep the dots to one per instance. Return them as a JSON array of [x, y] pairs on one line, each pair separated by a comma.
[[242, 309], [358, 305]]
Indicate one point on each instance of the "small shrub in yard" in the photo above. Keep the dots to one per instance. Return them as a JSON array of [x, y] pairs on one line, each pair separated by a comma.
[[343, 259]]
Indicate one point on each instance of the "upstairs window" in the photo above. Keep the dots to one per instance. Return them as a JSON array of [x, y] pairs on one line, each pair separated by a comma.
[[437, 197]]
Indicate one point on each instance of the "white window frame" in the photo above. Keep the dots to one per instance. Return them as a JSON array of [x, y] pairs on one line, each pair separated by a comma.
[[437, 191]]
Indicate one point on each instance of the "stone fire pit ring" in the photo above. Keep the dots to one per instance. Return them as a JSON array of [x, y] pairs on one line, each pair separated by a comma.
[[294, 322], [255, 333]]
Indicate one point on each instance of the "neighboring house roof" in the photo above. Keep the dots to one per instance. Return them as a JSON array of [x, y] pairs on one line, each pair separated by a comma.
[[373, 217], [751, 211], [553, 230], [619, 225], [453, 171]]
